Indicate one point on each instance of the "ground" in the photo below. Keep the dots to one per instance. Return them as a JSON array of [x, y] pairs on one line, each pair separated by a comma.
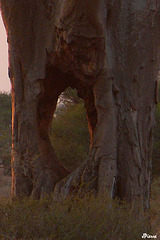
[[20, 210]]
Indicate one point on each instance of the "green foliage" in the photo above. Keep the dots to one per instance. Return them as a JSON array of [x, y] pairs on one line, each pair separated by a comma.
[[70, 95], [5, 106], [5, 130], [70, 136], [66, 99], [89, 218]]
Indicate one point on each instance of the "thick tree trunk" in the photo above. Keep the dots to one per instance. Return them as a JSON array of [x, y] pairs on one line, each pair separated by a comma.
[[108, 51]]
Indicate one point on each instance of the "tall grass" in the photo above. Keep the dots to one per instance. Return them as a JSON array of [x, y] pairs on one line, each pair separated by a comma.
[[86, 218], [83, 219]]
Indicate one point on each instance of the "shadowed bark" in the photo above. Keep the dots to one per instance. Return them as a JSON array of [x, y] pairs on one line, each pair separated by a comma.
[[108, 51]]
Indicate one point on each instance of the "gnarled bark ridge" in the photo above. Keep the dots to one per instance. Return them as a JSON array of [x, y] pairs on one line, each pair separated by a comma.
[[108, 51]]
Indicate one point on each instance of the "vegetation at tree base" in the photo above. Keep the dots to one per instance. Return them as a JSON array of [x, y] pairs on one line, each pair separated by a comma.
[[88, 218]]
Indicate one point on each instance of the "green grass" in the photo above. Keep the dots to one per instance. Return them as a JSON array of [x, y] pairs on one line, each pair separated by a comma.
[[76, 218], [82, 219]]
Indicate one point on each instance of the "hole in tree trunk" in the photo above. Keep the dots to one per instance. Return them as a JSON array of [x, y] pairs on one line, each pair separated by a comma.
[[63, 114]]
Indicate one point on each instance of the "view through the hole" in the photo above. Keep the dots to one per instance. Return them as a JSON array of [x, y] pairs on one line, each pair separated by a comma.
[[69, 134]]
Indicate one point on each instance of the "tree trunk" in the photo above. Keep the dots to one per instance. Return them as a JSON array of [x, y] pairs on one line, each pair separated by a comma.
[[108, 51]]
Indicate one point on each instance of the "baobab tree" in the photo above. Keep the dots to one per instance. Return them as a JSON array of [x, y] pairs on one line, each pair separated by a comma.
[[109, 51]]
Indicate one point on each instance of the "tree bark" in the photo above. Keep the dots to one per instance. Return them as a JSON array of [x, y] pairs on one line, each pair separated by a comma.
[[108, 51]]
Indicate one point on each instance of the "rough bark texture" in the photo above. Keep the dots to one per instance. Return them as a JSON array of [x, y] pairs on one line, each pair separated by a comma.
[[108, 51]]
